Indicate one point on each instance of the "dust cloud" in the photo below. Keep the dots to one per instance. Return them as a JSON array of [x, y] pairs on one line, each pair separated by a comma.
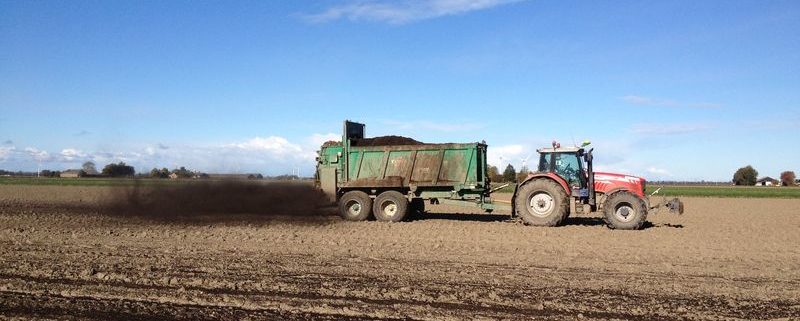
[[188, 199]]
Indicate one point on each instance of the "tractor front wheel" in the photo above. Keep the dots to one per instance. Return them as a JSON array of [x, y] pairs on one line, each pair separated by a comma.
[[541, 202], [625, 211]]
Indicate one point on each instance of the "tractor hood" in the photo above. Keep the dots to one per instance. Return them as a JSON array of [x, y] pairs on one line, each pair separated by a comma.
[[606, 182]]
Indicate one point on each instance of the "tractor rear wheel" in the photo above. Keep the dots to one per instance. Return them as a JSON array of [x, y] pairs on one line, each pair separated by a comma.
[[542, 202], [625, 211], [390, 206], [355, 206]]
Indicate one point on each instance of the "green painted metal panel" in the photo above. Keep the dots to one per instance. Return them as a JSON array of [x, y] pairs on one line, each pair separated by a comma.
[[422, 165], [398, 164], [455, 165], [426, 166], [353, 162], [371, 166]]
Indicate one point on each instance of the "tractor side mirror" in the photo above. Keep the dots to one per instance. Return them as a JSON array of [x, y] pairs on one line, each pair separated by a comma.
[[589, 156]]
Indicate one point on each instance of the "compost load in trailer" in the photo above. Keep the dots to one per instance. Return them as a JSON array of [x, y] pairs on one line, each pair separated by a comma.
[[385, 141]]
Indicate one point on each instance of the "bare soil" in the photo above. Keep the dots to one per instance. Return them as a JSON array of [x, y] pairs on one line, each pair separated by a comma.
[[87, 253]]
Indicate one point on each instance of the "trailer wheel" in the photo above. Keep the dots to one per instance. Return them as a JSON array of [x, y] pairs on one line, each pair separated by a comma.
[[390, 206], [355, 206], [541, 202], [625, 211]]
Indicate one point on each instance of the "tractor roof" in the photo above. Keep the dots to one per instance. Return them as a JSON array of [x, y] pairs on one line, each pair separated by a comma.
[[559, 150]]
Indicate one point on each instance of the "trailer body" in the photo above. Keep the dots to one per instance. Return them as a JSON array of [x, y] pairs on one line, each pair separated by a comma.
[[424, 171]]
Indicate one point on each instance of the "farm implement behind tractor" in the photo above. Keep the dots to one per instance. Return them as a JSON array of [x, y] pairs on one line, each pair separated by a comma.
[[389, 178]]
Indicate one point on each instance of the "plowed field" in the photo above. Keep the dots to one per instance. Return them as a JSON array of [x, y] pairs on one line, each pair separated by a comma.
[[70, 252]]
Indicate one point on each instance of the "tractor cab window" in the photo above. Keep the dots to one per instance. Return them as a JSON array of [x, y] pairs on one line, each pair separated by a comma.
[[568, 166], [544, 162]]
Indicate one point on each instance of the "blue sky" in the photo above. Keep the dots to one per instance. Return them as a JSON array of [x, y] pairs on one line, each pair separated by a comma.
[[682, 90]]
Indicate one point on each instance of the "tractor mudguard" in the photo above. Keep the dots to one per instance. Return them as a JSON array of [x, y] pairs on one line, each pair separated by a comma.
[[552, 176]]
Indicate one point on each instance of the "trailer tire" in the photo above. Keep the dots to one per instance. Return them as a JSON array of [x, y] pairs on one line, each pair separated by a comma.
[[541, 202], [390, 206], [624, 211], [355, 206]]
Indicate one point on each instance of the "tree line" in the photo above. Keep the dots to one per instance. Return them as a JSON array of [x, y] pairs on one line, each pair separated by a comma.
[[89, 169], [748, 176], [181, 172], [509, 175]]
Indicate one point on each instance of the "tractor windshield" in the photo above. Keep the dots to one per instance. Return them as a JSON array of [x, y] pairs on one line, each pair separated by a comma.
[[568, 166]]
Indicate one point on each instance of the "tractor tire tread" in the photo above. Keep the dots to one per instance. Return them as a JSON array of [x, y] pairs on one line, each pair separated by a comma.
[[522, 208], [610, 207]]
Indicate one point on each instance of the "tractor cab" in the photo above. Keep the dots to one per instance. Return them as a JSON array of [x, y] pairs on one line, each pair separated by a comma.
[[566, 163], [573, 165]]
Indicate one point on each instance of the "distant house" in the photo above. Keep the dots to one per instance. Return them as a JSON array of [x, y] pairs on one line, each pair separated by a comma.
[[71, 173], [767, 181], [173, 175]]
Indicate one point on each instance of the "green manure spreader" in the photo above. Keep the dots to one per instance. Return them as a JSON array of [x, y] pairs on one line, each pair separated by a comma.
[[390, 177]]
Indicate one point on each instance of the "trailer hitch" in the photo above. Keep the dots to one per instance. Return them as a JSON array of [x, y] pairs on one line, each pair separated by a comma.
[[498, 188]]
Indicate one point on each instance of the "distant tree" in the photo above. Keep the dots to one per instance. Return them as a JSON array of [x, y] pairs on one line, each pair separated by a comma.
[[46, 173], [494, 174], [89, 168], [509, 174], [523, 173], [788, 178], [745, 176], [159, 173], [183, 172], [118, 170]]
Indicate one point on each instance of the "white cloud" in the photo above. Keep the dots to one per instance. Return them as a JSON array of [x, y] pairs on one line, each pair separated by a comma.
[[670, 129], [6, 151], [501, 156], [399, 12], [317, 140], [37, 154], [648, 101], [658, 171], [70, 154], [272, 144]]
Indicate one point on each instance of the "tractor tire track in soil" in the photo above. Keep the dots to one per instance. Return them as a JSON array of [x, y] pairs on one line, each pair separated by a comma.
[[68, 259]]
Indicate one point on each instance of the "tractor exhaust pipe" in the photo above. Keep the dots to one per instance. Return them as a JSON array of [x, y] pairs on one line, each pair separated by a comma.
[[590, 173]]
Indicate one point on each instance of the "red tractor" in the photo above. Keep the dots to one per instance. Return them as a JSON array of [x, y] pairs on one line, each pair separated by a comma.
[[562, 185]]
